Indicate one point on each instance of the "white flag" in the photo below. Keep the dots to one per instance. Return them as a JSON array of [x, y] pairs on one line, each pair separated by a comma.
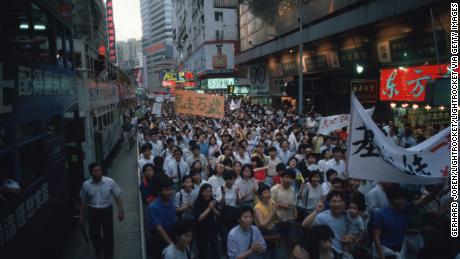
[[372, 156], [335, 122]]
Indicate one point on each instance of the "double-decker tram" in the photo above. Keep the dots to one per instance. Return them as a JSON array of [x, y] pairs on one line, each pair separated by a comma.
[[40, 130]]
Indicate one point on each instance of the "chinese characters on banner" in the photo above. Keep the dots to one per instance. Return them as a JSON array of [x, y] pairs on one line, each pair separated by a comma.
[[408, 84], [11, 223], [372, 156], [206, 105], [335, 122], [111, 31]]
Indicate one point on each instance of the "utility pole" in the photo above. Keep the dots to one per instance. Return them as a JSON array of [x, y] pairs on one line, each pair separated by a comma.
[[299, 6]]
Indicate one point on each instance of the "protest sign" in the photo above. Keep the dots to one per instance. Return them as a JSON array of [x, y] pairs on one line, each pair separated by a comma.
[[372, 156], [156, 109], [191, 103], [335, 122]]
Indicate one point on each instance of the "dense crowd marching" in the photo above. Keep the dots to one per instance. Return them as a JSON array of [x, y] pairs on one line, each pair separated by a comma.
[[260, 183]]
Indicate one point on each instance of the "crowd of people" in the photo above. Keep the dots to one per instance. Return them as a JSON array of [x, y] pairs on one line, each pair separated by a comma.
[[260, 183]]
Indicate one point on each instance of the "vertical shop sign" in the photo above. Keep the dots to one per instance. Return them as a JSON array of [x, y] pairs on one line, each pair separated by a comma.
[[111, 31]]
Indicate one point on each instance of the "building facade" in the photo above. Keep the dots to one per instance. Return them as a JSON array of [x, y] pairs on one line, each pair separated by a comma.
[[205, 42], [157, 27], [129, 54], [338, 37]]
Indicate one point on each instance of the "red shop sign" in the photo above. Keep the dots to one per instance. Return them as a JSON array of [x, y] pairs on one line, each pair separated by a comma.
[[408, 84]]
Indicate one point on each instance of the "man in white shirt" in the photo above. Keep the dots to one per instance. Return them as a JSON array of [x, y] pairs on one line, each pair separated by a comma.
[[96, 195], [177, 168], [284, 153], [337, 163], [157, 146], [145, 157]]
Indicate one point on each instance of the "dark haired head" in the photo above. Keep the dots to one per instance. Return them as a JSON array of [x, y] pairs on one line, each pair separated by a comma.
[[289, 172], [293, 158], [258, 161], [395, 193], [158, 161], [243, 209], [93, 165], [262, 187], [312, 174], [333, 194], [272, 149], [203, 187], [248, 166], [359, 201], [185, 177], [329, 173], [169, 140], [196, 147], [182, 227], [164, 182], [144, 167], [228, 175], [227, 162], [145, 147], [192, 143], [280, 167], [301, 148]]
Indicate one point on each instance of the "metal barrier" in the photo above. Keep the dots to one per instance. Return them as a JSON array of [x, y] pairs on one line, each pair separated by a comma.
[[141, 205]]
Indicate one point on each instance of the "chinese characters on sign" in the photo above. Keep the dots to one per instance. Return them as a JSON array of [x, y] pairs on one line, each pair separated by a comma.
[[199, 104], [408, 84], [16, 219], [111, 32]]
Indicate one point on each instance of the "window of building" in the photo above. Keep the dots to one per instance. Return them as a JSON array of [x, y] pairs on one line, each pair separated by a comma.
[[217, 35], [219, 16]]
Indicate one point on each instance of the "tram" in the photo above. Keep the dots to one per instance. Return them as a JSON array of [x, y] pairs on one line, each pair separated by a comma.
[[40, 130]]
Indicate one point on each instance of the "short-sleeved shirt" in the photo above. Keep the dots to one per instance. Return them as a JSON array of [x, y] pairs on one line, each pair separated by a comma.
[[246, 186], [338, 226], [99, 195], [183, 198], [216, 182], [393, 225], [171, 252], [230, 195], [239, 240], [279, 194], [161, 214], [355, 225]]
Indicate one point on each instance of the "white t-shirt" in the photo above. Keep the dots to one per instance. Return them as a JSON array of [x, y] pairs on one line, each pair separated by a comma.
[[216, 182], [246, 186], [338, 167], [171, 252], [230, 195], [144, 161]]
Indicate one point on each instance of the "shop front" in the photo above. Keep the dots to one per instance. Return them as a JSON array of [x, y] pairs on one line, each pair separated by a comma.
[[417, 96]]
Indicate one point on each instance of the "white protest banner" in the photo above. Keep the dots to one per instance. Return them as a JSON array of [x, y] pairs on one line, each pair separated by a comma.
[[234, 106], [372, 156], [156, 109], [335, 122]]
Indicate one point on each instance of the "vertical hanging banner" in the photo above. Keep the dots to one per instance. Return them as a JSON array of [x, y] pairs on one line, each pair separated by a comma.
[[111, 32], [191, 103], [372, 156]]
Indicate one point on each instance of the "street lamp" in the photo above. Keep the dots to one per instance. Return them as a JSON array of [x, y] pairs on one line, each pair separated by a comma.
[[299, 6]]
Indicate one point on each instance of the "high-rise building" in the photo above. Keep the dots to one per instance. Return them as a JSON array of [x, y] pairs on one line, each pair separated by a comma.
[[157, 46], [347, 46], [205, 36], [129, 54]]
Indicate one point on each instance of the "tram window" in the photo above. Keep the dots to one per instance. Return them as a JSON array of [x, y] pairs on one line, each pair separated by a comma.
[[99, 123], [46, 48], [105, 119], [74, 132], [7, 165], [111, 117], [32, 162], [53, 126], [28, 129], [3, 142]]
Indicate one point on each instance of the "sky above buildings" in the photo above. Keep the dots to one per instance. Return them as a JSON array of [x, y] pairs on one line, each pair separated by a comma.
[[127, 19]]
